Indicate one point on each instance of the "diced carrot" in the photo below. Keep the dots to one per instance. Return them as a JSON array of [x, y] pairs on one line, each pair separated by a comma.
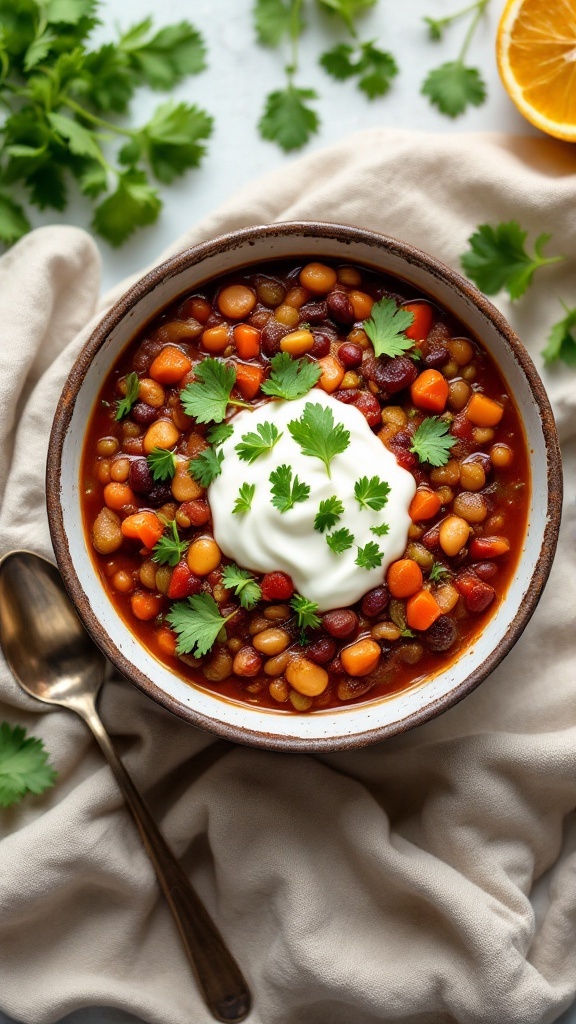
[[248, 379], [170, 365], [404, 578], [143, 526], [424, 505], [489, 547], [420, 326], [332, 373], [422, 610], [166, 641], [118, 495], [430, 391], [360, 658], [361, 304], [145, 606], [247, 341], [483, 411]]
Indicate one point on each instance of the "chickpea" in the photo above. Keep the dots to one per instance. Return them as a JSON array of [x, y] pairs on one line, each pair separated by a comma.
[[361, 658], [299, 701], [183, 486], [103, 471], [131, 430], [448, 474], [270, 293], [450, 369], [496, 523], [287, 315], [297, 342], [216, 339], [107, 446], [458, 394], [297, 297], [445, 494], [123, 582], [306, 677], [145, 606], [161, 434], [469, 373], [151, 392], [501, 456], [416, 531], [361, 304], [219, 666], [236, 301], [420, 555], [118, 496], [278, 612], [472, 476], [107, 532], [454, 533], [385, 631], [234, 644], [180, 419], [277, 665], [359, 337], [163, 577], [317, 278], [411, 654], [350, 380], [483, 435], [219, 593], [203, 556], [446, 597], [394, 414], [278, 690], [119, 470], [349, 276], [271, 641], [247, 662], [148, 574], [461, 350]]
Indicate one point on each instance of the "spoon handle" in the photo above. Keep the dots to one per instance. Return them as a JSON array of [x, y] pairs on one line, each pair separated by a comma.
[[220, 979]]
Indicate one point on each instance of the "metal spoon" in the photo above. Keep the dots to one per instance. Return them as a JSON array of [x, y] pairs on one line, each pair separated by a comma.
[[54, 660]]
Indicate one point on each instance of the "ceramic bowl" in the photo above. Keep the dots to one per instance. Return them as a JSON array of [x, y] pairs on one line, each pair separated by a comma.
[[349, 726]]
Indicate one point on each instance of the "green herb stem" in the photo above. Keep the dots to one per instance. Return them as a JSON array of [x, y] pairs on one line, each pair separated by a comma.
[[480, 8], [98, 121]]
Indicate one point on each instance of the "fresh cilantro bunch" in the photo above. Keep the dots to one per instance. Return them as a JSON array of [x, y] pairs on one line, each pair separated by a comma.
[[60, 98], [24, 765], [454, 86]]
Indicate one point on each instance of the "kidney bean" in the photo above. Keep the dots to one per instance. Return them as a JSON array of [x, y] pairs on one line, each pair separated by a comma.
[[313, 312], [436, 358], [143, 413], [159, 495], [321, 346], [431, 538], [272, 334], [375, 601], [335, 666], [369, 406], [197, 511], [397, 374], [340, 308], [347, 395], [146, 353], [441, 635], [140, 477], [340, 623], [247, 662], [321, 651], [350, 355], [477, 594], [485, 570]]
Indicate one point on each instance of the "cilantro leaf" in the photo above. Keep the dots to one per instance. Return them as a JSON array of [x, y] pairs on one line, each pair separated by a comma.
[[371, 493], [23, 765], [243, 584], [80, 140], [253, 445], [169, 549], [133, 204], [125, 404], [347, 9], [498, 259], [290, 378], [328, 514], [286, 493], [453, 86], [208, 397], [380, 531], [340, 540], [286, 118], [161, 463], [305, 612], [438, 573], [273, 21], [109, 81], [318, 435], [370, 556], [244, 500], [374, 68], [171, 140], [561, 342], [207, 466], [386, 327], [198, 623], [13, 221], [432, 441], [219, 433], [167, 57]]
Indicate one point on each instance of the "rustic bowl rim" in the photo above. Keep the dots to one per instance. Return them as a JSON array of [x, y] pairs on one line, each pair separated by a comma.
[[190, 257]]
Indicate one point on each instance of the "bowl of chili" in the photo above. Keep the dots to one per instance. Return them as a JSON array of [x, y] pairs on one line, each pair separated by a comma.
[[364, 557]]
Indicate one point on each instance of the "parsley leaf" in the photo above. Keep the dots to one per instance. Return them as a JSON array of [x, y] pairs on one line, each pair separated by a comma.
[[386, 327], [273, 21], [328, 514], [161, 463], [253, 445], [498, 259], [340, 540], [244, 500], [286, 493], [134, 204], [347, 9], [317, 434], [167, 57], [23, 765], [380, 531], [561, 342], [171, 140], [438, 573], [370, 556], [453, 86], [198, 623], [207, 466], [219, 433], [169, 549], [208, 397], [305, 612], [243, 584], [432, 442], [286, 118], [374, 68], [125, 404], [371, 493], [290, 378]]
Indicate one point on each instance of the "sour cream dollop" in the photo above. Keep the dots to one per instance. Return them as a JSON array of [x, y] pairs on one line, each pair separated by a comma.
[[265, 539]]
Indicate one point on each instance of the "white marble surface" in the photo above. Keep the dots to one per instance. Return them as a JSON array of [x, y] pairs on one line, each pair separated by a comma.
[[233, 89]]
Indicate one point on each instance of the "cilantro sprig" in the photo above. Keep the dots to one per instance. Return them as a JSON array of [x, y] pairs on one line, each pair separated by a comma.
[[380, 531], [328, 514], [306, 610], [454, 86], [386, 328], [130, 398], [439, 573], [24, 766], [432, 441], [206, 466], [208, 396], [243, 502], [370, 556], [290, 378], [169, 549], [373, 68], [162, 464], [285, 491], [198, 623], [257, 443], [561, 342], [243, 584], [318, 435], [340, 540], [62, 96], [497, 258], [371, 493], [219, 433]]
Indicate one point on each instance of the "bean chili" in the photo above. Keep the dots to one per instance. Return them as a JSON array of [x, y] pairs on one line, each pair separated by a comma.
[[468, 515]]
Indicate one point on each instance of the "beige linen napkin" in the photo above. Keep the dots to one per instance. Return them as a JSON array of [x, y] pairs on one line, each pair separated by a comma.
[[389, 884]]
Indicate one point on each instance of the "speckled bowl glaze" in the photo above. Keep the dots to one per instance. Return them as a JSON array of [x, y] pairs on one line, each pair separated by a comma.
[[350, 726]]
